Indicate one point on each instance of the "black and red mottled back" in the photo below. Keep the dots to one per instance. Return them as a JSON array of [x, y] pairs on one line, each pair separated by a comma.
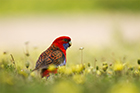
[[45, 55]]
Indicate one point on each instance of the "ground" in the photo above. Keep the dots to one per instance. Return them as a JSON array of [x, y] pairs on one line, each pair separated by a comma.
[[84, 29]]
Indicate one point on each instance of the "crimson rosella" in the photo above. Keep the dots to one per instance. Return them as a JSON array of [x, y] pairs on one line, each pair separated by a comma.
[[55, 54]]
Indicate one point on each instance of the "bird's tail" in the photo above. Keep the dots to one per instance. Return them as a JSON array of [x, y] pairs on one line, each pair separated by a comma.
[[34, 69], [45, 72]]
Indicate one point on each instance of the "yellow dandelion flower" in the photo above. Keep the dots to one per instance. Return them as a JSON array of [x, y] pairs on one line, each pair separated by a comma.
[[61, 69], [32, 74], [136, 72], [79, 68], [23, 73], [139, 67], [98, 72], [68, 71], [88, 70], [51, 67], [73, 69], [118, 66]]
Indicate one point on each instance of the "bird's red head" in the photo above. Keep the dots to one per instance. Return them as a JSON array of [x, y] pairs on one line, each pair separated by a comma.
[[63, 42]]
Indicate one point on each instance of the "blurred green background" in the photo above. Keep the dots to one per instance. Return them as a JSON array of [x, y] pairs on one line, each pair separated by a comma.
[[114, 25], [46, 6]]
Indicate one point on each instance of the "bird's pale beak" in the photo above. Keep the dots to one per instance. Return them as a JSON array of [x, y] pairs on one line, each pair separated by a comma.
[[70, 43]]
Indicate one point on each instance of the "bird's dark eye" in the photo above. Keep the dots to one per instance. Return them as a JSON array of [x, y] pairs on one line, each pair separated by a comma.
[[65, 40]]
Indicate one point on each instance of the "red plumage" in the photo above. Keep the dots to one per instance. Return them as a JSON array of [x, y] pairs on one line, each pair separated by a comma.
[[55, 54]]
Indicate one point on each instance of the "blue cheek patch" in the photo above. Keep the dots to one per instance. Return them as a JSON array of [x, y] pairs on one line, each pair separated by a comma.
[[66, 46]]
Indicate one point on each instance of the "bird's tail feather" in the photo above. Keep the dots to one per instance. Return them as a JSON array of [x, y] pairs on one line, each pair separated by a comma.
[[34, 69]]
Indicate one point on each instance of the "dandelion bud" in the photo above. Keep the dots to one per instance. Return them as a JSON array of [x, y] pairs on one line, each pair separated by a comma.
[[104, 63], [138, 61], [27, 64], [131, 68], [97, 68], [4, 53], [81, 48], [27, 54], [110, 64], [88, 64], [104, 68]]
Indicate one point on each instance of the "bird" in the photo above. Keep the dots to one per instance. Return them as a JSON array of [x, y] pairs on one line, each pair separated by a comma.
[[54, 55]]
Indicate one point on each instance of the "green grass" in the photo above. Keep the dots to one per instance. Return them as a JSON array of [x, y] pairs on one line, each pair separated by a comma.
[[68, 6], [110, 69]]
